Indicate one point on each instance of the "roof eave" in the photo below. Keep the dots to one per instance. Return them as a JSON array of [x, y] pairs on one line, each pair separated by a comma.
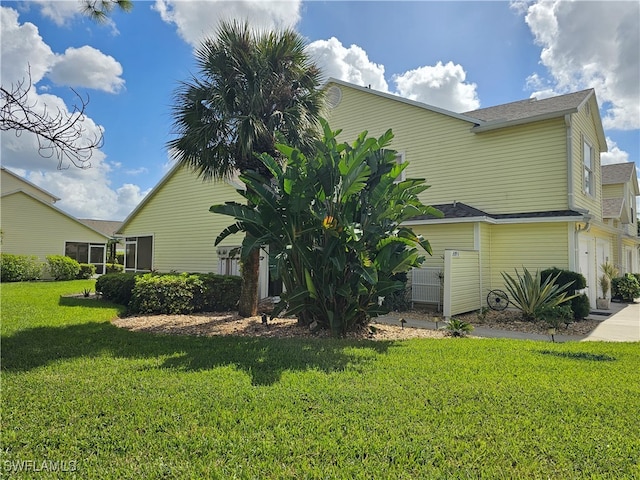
[[497, 124], [407, 101]]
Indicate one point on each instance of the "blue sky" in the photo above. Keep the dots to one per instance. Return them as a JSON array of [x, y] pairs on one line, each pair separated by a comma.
[[454, 55]]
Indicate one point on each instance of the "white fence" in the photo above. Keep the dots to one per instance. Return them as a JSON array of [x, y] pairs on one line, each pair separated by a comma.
[[426, 285]]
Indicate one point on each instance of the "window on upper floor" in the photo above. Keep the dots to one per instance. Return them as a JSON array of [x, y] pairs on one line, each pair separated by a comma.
[[588, 167]]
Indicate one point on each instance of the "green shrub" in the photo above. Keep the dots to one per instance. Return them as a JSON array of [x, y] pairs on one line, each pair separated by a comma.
[[531, 294], [87, 271], [19, 268], [219, 293], [626, 288], [556, 316], [579, 282], [458, 328], [114, 268], [62, 267], [580, 306], [172, 294], [117, 287], [120, 258]]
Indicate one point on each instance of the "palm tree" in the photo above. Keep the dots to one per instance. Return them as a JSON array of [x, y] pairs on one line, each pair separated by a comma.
[[254, 90]]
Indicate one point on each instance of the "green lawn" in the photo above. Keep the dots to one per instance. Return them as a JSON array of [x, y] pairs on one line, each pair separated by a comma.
[[108, 403]]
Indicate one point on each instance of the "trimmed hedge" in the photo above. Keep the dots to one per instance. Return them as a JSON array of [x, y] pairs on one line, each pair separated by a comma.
[[87, 271], [114, 268], [171, 293], [62, 267], [117, 287], [579, 304], [19, 268]]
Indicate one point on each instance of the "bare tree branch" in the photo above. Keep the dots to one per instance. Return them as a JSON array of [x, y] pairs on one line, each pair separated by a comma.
[[59, 133]]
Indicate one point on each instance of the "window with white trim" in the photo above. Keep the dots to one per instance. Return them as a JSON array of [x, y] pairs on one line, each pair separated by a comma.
[[400, 161], [138, 254], [228, 261], [588, 168]]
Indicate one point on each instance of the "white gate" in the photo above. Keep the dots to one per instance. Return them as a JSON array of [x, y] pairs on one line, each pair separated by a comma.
[[426, 285]]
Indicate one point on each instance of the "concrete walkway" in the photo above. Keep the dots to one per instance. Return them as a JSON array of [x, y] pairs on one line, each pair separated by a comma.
[[622, 325]]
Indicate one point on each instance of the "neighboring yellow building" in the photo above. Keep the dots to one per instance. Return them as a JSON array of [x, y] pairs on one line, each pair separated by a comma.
[[520, 183], [32, 225]]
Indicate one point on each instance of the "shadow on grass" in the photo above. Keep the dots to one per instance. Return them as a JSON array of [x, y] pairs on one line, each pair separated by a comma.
[[264, 359], [580, 356], [91, 302]]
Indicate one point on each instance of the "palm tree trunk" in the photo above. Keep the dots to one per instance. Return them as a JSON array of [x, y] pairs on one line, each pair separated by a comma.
[[248, 304]]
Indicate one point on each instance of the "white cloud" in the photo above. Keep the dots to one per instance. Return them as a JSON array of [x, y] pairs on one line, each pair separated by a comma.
[[442, 85], [87, 194], [592, 45], [614, 155], [89, 68], [349, 64], [22, 48], [84, 193], [196, 20], [59, 11]]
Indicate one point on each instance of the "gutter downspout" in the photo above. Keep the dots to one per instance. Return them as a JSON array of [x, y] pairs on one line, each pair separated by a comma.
[[573, 232]]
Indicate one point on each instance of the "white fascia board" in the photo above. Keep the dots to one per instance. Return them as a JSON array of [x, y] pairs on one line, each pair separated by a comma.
[[494, 221], [497, 124]]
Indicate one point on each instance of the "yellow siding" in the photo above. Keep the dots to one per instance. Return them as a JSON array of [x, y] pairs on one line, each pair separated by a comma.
[[517, 169], [462, 282], [30, 227], [10, 183], [183, 229], [448, 236], [583, 127], [485, 258], [613, 191], [535, 246]]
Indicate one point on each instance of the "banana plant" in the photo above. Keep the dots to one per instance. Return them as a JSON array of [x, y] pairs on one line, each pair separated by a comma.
[[333, 223]]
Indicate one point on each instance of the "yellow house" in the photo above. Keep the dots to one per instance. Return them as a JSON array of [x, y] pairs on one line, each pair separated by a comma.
[[520, 184], [32, 225]]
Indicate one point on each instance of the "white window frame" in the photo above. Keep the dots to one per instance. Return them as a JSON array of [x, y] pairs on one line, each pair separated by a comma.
[[400, 159], [228, 264], [588, 169]]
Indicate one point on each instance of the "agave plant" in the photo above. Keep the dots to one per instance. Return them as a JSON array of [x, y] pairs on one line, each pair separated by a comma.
[[531, 295]]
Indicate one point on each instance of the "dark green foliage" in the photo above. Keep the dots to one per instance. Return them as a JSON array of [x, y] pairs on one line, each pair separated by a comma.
[[117, 287], [120, 258], [87, 271], [579, 282], [333, 226], [626, 288], [219, 293], [208, 292], [19, 268], [399, 300], [557, 315], [580, 306], [114, 268], [62, 268], [173, 294]]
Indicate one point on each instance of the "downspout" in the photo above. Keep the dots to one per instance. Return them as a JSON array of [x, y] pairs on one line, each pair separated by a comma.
[[574, 258]]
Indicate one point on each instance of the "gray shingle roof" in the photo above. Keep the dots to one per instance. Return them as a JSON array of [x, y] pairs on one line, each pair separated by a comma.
[[530, 107], [612, 207], [461, 210], [617, 173], [106, 227]]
